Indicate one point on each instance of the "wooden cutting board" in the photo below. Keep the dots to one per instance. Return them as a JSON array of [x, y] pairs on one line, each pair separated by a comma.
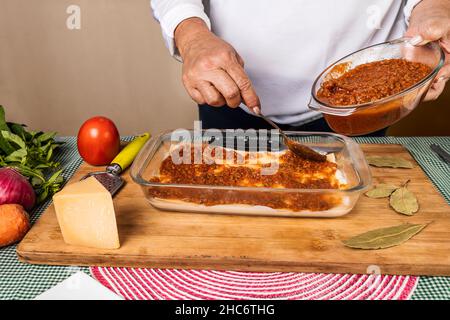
[[153, 238]]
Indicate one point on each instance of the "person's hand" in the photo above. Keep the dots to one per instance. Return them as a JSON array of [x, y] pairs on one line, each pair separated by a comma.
[[430, 21], [213, 72]]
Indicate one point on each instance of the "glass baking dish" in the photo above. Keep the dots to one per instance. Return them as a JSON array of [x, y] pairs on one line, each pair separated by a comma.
[[366, 118], [242, 200]]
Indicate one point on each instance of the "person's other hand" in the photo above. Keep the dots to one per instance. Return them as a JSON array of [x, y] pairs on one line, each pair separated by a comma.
[[430, 21], [213, 72]]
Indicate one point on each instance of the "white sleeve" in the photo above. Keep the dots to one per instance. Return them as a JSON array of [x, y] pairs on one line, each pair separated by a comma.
[[169, 13], [409, 7]]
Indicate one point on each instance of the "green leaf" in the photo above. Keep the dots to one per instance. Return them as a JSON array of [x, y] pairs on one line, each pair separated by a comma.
[[14, 138], [404, 201], [29, 172], [389, 162], [49, 154], [43, 166], [381, 191], [5, 146], [17, 156], [3, 125], [45, 148], [31, 153], [42, 196], [384, 237], [33, 134], [50, 187], [19, 130], [46, 136], [54, 177], [36, 182]]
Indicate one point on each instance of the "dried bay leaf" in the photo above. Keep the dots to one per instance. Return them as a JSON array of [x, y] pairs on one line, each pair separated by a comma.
[[389, 162], [384, 237], [381, 191], [404, 201]]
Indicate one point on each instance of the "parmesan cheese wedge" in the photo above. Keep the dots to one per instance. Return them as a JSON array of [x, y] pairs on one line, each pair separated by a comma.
[[86, 216]]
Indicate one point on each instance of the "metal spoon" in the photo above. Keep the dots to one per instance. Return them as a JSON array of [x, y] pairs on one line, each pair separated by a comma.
[[297, 148]]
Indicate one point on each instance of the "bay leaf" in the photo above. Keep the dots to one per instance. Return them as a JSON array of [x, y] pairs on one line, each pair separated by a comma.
[[381, 191], [384, 237], [404, 201], [389, 162]]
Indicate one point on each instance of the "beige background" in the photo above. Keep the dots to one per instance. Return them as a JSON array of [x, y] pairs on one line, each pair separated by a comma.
[[53, 78]]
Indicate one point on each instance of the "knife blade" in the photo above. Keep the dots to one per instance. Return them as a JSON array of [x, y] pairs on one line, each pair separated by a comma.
[[445, 156]]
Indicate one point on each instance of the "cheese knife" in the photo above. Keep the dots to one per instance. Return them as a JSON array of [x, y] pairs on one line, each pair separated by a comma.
[[110, 178]]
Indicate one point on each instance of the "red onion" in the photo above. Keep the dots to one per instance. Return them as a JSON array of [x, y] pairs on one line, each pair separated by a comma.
[[15, 188]]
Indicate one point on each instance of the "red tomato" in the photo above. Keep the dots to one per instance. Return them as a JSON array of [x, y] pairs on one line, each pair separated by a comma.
[[98, 141]]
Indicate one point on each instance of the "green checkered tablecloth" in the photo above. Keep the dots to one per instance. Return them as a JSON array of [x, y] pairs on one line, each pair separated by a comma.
[[24, 281]]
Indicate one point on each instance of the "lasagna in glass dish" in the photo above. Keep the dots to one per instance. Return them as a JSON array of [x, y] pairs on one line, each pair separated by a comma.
[[205, 175]]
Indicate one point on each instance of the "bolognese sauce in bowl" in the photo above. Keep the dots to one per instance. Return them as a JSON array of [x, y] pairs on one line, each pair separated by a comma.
[[375, 87]]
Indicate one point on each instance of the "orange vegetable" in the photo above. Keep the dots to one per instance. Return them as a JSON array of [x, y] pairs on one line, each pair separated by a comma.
[[14, 223]]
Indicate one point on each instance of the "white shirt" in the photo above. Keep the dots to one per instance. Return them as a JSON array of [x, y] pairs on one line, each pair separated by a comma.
[[285, 44]]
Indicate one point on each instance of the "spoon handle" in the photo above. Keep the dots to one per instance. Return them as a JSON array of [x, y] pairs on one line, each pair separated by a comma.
[[273, 124]]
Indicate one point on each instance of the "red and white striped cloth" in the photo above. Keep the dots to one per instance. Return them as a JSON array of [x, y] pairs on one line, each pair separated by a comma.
[[137, 284]]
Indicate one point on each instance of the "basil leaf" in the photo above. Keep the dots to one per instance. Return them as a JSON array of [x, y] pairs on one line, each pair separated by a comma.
[[19, 130], [24, 170], [42, 196], [3, 126], [36, 182], [5, 146], [14, 138], [46, 136], [49, 154], [17, 156], [54, 177], [31, 153], [43, 166]]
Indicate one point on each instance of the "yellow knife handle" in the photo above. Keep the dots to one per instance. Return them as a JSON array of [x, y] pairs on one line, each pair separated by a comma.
[[127, 155]]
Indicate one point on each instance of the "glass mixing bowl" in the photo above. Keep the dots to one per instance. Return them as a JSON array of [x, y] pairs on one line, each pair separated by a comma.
[[353, 120]]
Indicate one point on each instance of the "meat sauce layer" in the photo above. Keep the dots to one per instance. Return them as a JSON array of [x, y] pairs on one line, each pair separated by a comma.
[[241, 170]]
